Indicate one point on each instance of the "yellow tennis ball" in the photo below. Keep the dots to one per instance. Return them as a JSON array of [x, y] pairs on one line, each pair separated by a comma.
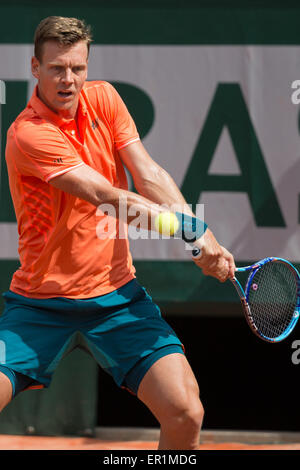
[[166, 223]]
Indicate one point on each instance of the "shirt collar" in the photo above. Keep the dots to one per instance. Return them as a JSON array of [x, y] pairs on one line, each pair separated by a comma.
[[46, 113]]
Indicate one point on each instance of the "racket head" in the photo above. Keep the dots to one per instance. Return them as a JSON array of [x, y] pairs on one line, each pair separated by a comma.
[[272, 299]]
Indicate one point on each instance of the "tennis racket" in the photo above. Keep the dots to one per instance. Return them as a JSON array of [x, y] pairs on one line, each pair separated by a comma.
[[271, 297]]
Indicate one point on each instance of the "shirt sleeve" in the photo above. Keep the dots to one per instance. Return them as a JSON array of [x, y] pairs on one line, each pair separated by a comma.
[[124, 128], [43, 152]]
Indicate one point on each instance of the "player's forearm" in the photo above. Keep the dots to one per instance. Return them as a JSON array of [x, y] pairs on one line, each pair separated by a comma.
[[160, 188], [150, 179], [129, 206]]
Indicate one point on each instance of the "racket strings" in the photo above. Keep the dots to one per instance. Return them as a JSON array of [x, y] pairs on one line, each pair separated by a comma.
[[272, 298]]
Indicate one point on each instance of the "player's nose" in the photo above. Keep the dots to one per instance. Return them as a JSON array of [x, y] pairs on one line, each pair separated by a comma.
[[68, 76]]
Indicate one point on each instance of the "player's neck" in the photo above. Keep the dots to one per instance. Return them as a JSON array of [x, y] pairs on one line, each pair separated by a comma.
[[68, 114]]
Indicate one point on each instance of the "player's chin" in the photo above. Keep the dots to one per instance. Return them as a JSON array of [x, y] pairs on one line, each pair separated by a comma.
[[65, 99], [64, 105]]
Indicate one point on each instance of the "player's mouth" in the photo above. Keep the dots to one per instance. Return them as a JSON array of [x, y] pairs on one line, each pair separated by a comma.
[[65, 94]]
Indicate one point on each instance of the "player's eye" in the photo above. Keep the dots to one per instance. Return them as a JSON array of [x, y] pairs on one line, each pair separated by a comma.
[[57, 68], [78, 69]]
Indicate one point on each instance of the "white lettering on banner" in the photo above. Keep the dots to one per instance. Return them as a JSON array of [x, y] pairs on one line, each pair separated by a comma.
[[181, 82]]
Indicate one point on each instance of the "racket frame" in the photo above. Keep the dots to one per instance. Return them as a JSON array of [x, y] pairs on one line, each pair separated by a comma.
[[244, 295]]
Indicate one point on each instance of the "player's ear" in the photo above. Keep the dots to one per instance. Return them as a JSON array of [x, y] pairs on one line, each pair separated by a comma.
[[35, 67]]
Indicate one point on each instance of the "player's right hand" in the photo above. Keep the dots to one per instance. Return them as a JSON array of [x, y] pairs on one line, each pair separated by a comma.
[[215, 260]]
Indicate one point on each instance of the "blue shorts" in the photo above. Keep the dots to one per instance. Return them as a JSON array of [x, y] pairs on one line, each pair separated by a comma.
[[123, 330]]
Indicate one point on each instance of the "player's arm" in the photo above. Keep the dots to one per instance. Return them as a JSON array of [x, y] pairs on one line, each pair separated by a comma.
[[88, 184], [154, 183]]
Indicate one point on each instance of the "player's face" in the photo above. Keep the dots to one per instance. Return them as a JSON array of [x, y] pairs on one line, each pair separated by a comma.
[[61, 75]]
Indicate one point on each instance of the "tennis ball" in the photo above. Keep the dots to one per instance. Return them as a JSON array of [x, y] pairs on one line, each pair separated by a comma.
[[166, 223]]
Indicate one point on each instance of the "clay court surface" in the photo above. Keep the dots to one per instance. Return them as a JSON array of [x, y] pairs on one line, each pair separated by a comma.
[[136, 439]]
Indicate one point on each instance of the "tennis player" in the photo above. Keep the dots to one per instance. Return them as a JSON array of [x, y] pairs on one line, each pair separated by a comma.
[[66, 154]]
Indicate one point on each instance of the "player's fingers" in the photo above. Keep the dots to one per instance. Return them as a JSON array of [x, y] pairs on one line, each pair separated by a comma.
[[215, 260], [218, 270], [224, 271], [211, 255], [231, 263]]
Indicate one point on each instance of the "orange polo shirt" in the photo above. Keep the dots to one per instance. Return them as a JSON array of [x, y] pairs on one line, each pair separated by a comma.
[[62, 244]]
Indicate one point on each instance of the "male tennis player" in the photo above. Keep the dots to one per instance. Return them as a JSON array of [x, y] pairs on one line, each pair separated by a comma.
[[65, 155]]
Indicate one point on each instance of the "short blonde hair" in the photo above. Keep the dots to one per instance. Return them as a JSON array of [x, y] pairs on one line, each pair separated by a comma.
[[66, 31]]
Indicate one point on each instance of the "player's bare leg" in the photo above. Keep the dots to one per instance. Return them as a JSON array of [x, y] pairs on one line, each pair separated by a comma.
[[170, 390], [5, 391]]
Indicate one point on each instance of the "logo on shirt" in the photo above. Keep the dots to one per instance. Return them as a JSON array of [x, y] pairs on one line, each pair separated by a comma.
[[95, 123], [58, 160]]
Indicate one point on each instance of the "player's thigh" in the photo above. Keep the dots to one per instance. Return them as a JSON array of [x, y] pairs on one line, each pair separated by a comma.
[[5, 390], [169, 387]]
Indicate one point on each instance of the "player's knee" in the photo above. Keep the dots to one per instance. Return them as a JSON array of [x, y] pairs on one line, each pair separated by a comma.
[[191, 412], [192, 417], [186, 416]]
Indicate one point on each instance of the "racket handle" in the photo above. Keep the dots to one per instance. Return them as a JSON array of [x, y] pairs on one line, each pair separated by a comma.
[[196, 253]]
